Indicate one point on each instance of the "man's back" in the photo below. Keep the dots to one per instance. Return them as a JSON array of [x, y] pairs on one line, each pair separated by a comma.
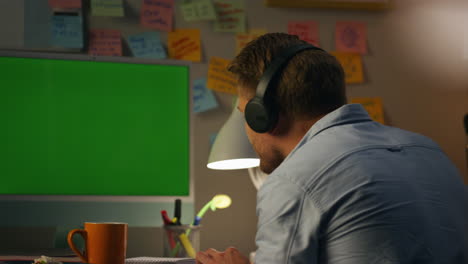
[[355, 191]]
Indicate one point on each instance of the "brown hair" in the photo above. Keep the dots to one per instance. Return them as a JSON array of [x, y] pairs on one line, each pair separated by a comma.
[[311, 84]]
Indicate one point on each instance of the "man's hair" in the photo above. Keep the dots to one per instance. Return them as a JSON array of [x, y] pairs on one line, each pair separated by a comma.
[[311, 84]]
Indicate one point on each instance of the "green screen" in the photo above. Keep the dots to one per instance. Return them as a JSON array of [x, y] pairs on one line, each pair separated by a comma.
[[93, 128]]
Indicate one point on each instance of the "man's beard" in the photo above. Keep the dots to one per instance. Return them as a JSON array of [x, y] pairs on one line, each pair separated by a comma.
[[270, 163]]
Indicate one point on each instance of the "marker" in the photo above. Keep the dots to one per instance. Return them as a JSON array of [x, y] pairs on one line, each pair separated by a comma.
[[165, 218], [178, 211]]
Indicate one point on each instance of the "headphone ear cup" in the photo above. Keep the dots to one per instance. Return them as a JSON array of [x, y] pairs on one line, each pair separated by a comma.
[[258, 116]]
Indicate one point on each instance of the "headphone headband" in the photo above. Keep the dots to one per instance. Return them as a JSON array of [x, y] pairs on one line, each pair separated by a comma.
[[277, 65]]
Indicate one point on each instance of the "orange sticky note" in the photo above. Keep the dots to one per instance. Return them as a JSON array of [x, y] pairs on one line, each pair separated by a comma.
[[157, 14], [305, 30], [243, 38], [219, 78], [184, 44], [105, 42], [66, 4], [352, 65], [351, 37], [373, 106]]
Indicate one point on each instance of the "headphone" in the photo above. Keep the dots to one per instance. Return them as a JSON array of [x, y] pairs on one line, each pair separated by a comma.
[[261, 112]]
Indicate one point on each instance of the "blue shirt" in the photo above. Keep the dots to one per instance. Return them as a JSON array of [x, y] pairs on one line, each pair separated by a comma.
[[356, 191]]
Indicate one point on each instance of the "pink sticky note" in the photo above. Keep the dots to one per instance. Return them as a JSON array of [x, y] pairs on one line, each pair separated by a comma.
[[105, 42], [305, 30], [66, 4], [351, 37], [157, 14]]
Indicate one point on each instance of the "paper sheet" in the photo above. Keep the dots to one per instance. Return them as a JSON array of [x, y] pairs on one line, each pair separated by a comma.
[[305, 30], [352, 65], [113, 8], [67, 31], [219, 78], [157, 14], [147, 45], [184, 44], [105, 42], [351, 37]]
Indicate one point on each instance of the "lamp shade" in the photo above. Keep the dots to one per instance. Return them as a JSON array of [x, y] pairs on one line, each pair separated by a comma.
[[231, 149]]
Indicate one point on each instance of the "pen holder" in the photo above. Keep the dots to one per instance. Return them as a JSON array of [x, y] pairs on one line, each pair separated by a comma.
[[181, 247]]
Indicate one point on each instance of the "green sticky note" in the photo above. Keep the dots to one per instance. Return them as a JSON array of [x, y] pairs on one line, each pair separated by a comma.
[[230, 16], [205, 10], [189, 11], [107, 8]]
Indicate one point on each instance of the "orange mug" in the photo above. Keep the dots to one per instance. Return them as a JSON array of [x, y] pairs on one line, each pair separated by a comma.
[[105, 243]]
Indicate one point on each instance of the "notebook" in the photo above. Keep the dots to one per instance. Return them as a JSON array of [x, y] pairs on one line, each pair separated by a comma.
[[154, 260]]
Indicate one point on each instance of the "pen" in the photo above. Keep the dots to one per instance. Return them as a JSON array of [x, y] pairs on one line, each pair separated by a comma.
[[178, 210]]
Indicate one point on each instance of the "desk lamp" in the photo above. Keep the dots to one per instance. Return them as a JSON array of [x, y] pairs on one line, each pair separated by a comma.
[[232, 150]]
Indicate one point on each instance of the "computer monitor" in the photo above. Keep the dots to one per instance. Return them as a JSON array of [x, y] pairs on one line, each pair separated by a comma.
[[93, 139]]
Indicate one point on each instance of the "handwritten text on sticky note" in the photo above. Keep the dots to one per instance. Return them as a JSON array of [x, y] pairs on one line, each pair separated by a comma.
[[147, 45], [67, 31], [352, 65], [351, 37], [157, 14], [373, 106], [107, 8], [198, 10], [105, 42], [230, 16], [203, 98], [65, 4], [184, 44], [242, 39], [219, 78], [305, 30]]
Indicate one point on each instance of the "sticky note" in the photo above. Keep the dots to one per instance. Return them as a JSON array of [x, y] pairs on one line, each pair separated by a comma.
[[65, 4], [67, 31], [198, 10], [113, 8], [373, 106], [230, 16], [305, 30], [352, 65], [219, 78], [105, 42], [147, 45], [157, 14], [184, 44], [203, 98], [351, 37], [243, 38]]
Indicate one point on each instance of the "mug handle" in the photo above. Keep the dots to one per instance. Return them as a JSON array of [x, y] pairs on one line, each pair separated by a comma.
[[83, 233]]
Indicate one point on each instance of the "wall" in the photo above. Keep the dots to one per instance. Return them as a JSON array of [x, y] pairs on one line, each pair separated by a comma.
[[415, 64]]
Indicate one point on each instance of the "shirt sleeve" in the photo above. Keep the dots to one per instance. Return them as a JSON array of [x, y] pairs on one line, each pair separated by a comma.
[[288, 224]]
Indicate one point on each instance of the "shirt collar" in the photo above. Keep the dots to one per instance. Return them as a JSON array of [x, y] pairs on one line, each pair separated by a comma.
[[347, 114]]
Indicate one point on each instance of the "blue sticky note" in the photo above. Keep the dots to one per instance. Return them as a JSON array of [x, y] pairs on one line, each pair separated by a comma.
[[147, 45], [203, 98], [67, 31]]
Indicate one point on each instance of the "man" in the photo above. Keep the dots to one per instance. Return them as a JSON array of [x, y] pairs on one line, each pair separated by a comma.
[[342, 188]]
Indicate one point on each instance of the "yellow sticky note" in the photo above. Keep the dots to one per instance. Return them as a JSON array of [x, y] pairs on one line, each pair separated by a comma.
[[373, 106], [184, 44], [352, 65], [243, 38], [219, 78]]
